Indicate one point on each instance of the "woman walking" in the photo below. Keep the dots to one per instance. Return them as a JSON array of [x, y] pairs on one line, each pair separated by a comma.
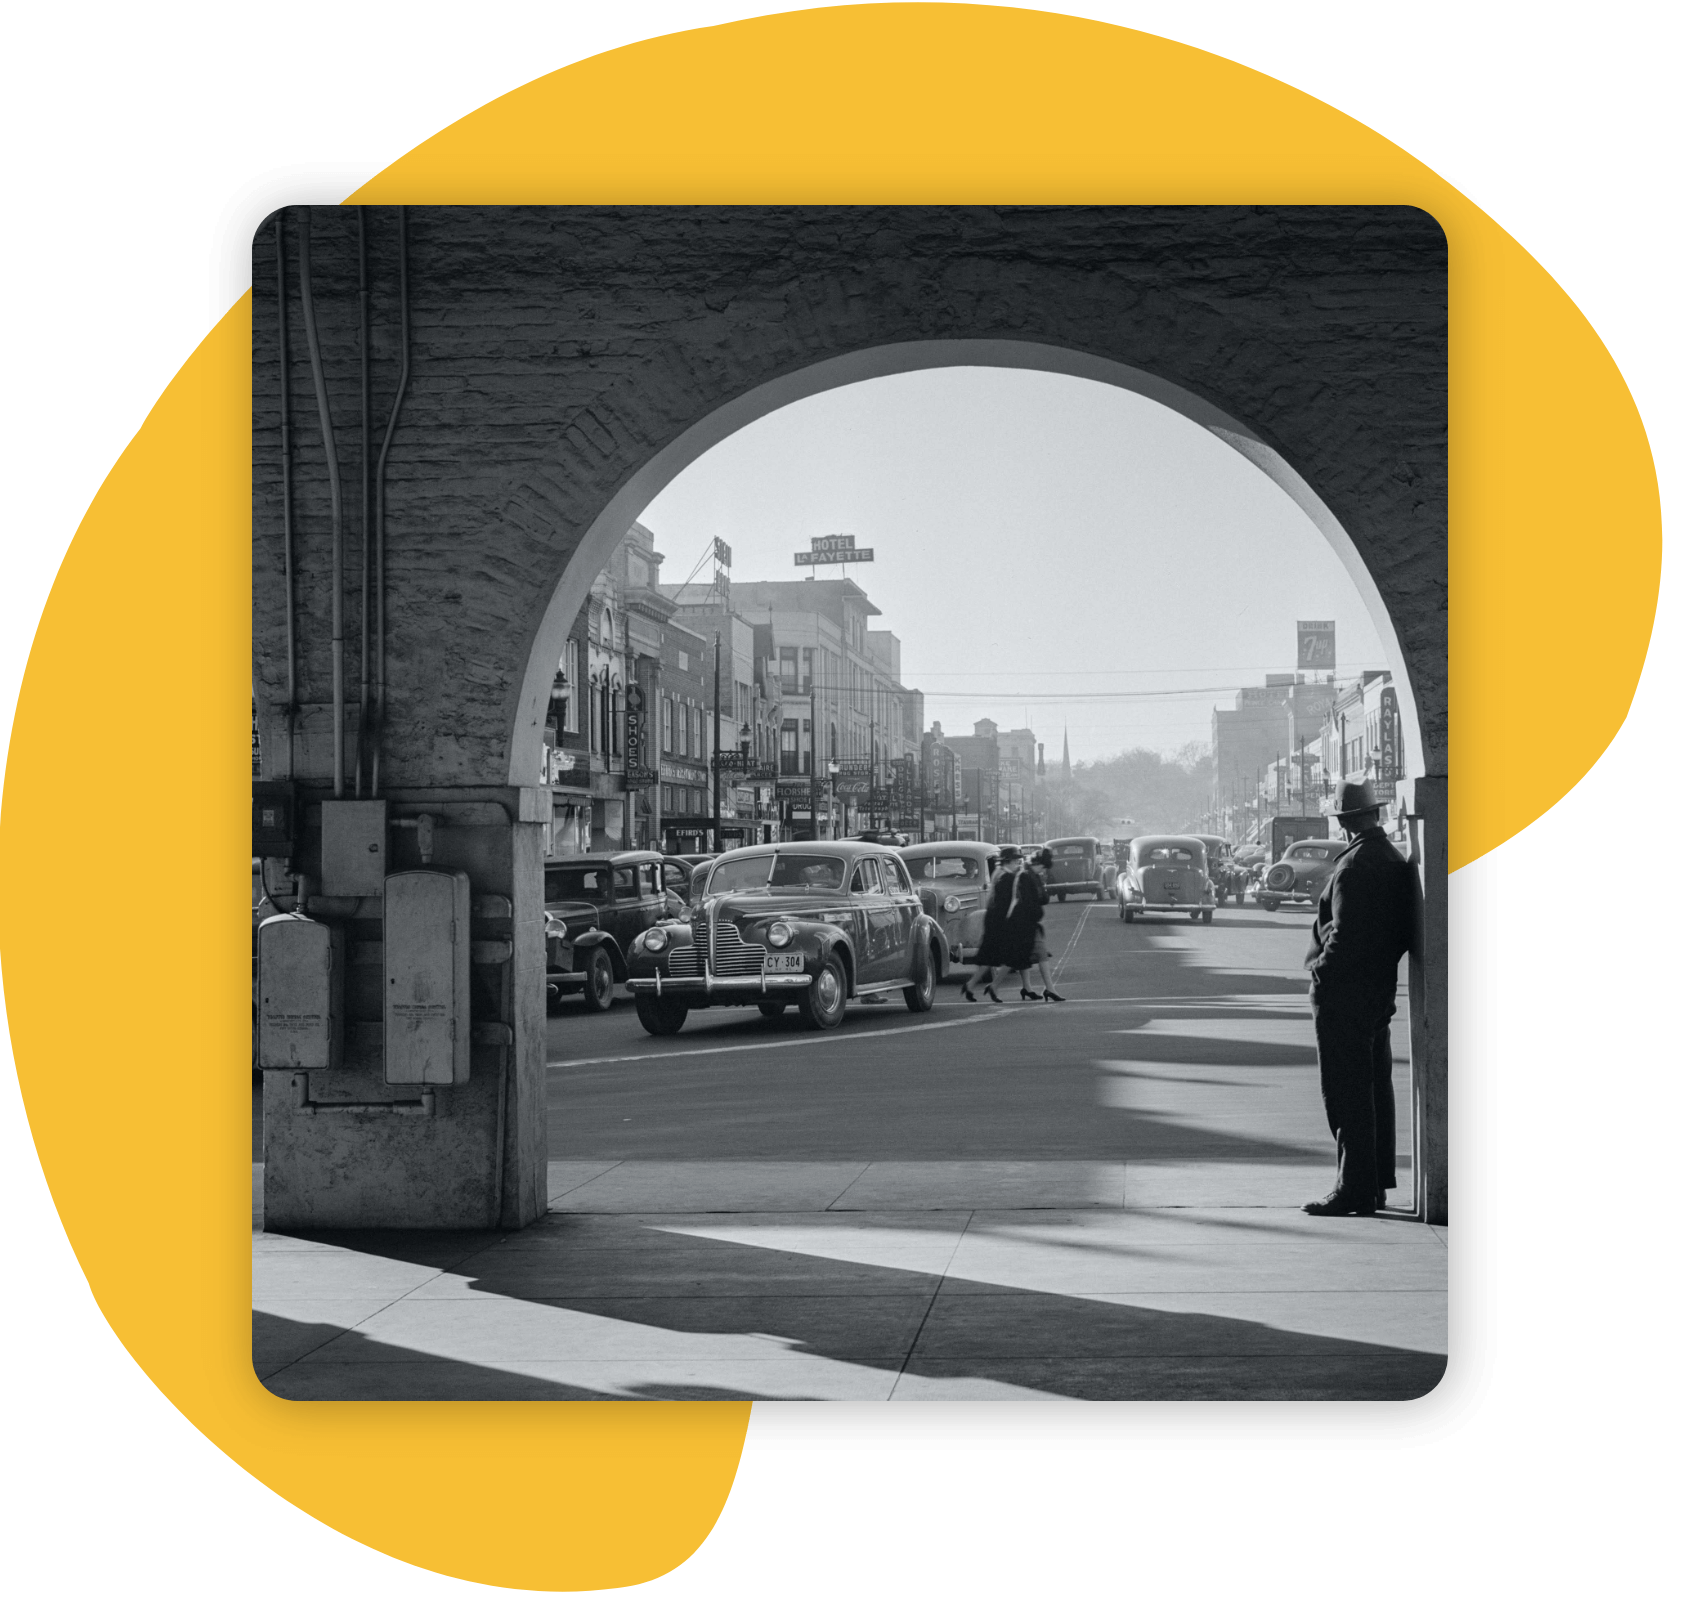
[[992, 954], [1036, 891]]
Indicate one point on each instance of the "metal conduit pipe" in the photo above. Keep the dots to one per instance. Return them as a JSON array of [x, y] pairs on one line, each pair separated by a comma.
[[380, 555], [335, 469], [288, 509], [361, 729]]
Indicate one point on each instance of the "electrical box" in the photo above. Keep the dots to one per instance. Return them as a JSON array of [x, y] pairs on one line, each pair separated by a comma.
[[300, 994], [274, 819], [353, 851], [428, 977]]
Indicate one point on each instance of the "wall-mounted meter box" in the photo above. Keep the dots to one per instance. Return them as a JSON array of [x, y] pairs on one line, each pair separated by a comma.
[[274, 819], [300, 994], [353, 849], [428, 977]]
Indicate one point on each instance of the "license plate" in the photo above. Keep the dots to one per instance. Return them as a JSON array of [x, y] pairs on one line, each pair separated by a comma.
[[783, 963]]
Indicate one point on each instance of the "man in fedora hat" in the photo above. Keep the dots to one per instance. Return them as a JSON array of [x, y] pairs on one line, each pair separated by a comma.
[[1362, 930]]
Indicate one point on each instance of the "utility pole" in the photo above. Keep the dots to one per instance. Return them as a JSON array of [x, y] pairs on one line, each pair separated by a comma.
[[714, 765]]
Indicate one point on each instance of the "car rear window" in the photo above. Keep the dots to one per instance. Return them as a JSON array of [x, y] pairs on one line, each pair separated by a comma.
[[586, 883], [1324, 853], [1069, 852], [1166, 855]]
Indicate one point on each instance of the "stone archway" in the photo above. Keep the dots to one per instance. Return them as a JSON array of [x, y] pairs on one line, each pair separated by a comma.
[[568, 362]]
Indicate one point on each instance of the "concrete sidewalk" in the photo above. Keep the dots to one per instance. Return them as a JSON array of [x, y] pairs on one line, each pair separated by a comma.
[[1023, 1281]]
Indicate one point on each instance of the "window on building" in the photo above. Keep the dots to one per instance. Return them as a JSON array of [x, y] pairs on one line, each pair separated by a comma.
[[788, 747], [808, 668], [684, 663], [607, 627], [788, 669], [667, 724], [637, 567]]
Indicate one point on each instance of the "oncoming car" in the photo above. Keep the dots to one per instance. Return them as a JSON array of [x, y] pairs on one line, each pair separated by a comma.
[[1299, 875], [805, 924], [1166, 875], [954, 880]]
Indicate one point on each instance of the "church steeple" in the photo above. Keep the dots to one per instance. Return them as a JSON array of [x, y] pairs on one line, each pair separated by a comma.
[[1067, 771]]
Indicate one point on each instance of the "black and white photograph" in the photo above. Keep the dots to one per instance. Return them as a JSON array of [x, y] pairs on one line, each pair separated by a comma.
[[850, 803]]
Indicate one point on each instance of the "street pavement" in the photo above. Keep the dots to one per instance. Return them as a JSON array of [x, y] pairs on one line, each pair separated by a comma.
[[1089, 1200]]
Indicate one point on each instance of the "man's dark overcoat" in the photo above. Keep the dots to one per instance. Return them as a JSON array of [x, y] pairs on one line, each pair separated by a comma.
[[1362, 930]]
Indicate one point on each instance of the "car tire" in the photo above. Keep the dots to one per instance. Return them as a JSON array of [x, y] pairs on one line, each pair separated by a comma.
[[1208, 915], [1062, 897], [1192, 914], [661, 1017], [1239, 899], [599, 982], [1126, 918], [822, 1006], [772, 1008], [1271, 905], [920, 996]]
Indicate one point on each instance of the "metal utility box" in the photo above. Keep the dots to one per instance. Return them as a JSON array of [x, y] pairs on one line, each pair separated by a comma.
[[300, 994], [353, 851], [428, 977], [274, 819]]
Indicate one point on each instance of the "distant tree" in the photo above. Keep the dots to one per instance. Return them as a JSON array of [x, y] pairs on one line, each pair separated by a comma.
[[1160, 793]]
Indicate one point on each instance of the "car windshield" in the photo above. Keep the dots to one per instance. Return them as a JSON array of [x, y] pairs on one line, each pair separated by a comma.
[[583, 882], [1166, 855], [1324, 853], [777, 871], [948, 867]]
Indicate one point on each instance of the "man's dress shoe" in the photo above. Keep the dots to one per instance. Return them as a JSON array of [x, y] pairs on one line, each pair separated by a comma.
[[1338, 1203]]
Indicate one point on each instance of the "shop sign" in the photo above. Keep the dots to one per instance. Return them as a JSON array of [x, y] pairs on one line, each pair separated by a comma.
[[637, 730]]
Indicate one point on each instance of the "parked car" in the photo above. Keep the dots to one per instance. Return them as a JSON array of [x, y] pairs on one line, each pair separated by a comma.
[[605, 901], [1227, 874], [1299, 875], [954, 880], [814, 924], [1074, 867], [1166, 875]]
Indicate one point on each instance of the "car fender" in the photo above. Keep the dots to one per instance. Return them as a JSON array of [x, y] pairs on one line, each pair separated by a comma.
[[586, 940], [933, 934], [834, 943]]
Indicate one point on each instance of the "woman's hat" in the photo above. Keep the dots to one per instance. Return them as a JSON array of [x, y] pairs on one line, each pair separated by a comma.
[[1008, 855]]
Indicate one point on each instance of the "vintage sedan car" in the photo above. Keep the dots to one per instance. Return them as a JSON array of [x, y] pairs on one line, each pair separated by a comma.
[[1227, 874], [1074, 867], [605, 900], [810, 924], [955, 881], [1300, 873], [1166, 875]]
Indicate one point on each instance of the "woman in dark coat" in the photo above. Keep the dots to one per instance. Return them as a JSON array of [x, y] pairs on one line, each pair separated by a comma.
[[994, 936]]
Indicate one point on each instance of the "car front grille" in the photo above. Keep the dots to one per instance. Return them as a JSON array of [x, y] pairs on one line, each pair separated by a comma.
[[686, 959], [733, 955]]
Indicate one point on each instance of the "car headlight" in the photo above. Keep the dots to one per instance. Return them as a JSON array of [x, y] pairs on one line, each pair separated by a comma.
[[655, 939], [952, 904], [779, 934]]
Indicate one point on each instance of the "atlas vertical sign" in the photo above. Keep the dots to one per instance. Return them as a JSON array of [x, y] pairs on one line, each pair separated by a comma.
[[1316, 643]]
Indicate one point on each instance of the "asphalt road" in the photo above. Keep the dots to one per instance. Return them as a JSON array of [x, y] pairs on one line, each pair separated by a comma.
[[1183, 1056]]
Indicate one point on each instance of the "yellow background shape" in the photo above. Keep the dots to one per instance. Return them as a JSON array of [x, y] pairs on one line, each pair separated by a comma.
[[942, 104]]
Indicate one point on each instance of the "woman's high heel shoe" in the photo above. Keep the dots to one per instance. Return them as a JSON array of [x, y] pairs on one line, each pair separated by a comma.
[[1054, 997], [969, 994], [1032, 997], [993, 995]]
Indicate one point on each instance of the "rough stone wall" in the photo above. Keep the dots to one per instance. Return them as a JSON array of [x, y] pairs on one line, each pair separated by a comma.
[[556, 350]]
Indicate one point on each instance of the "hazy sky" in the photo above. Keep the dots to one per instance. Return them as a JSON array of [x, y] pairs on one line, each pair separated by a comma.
[[1046, 548]]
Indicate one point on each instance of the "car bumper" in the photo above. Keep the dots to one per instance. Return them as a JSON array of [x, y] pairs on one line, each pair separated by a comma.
[[1145, 907], [1076, 886], [715, 988]]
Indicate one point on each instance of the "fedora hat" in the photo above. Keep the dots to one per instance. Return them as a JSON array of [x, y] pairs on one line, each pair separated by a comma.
[[1352, 797]]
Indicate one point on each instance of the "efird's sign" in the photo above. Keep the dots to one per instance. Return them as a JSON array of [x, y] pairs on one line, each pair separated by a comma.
[[1316, 643]]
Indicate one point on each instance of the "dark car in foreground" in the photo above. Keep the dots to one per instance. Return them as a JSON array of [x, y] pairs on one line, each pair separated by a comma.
[[807, 924], [602, 902]]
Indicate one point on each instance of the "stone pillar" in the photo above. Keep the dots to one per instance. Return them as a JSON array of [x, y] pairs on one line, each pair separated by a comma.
[[480, 1160], [1429, 999]]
